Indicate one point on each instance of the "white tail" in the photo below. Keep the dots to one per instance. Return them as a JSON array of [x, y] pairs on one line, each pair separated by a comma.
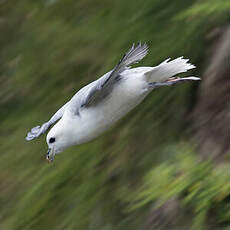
[[168, 69]]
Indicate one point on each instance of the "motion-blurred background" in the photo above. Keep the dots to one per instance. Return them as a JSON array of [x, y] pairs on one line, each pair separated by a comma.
[[164, 166]]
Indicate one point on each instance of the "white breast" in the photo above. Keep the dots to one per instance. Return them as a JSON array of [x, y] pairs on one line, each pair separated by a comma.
[[93, 121]]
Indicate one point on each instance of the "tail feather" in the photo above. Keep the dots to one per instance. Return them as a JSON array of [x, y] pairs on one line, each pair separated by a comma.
[[168, 69]]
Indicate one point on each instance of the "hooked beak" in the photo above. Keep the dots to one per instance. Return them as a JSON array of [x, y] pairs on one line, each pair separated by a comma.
[[50, 155]]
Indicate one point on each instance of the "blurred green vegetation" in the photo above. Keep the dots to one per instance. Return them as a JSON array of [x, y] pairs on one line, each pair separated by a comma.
[[48, 50]]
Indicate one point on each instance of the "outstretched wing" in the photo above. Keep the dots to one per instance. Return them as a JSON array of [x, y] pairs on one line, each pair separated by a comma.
[[39, 130], [99, 89], [95, 91]]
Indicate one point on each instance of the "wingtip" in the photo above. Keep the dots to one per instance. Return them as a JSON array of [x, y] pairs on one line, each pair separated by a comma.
[[196, 79], [193, 78], [140, 44], [27, 138]]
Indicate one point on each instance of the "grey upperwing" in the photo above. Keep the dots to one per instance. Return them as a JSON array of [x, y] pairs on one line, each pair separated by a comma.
[[38, 130], [94, 92], [99, 89]]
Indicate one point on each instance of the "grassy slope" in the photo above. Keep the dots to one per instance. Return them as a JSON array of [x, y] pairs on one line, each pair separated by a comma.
[[50, 50]]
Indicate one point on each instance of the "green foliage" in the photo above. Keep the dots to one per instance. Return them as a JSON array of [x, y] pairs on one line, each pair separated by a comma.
[[208, 9], [197, 185], [49, 50]]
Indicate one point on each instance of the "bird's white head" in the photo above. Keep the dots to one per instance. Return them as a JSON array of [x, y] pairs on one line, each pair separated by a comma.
[[56, 140]]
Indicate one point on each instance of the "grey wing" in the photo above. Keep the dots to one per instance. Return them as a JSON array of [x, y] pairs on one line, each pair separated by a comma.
[[39, 130], [103, 86]]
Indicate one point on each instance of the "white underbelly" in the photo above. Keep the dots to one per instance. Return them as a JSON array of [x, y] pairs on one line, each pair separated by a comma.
[[95, 120]]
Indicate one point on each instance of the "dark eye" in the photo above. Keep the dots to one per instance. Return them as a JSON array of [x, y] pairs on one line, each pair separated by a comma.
[[51, 140]]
